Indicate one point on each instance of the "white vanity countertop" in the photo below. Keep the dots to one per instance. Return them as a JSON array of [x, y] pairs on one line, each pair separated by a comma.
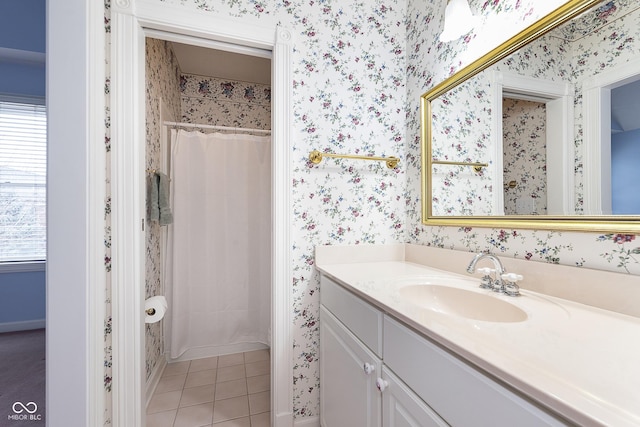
[[581, 362]]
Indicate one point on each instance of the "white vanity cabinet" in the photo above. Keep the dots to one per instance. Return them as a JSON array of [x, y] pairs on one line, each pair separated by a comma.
[[376, 371], [348, 373], [401, 407], [355, 388]]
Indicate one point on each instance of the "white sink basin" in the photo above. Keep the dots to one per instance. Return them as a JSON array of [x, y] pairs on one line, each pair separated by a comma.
[[462, 302]]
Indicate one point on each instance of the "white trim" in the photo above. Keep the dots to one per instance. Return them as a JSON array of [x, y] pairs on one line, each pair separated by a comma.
[[209, 44], [22, 267], [596, 123], [560, 165], [25, 325], [96, 171], [281, 287], [128, 142], [212, 351], [307, 422], [127, 189]]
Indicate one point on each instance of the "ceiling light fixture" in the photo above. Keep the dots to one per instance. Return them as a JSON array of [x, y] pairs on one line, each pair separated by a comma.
[[458, 20]]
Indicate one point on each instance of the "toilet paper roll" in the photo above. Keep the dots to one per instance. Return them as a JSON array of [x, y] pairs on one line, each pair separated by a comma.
[[155, 308]]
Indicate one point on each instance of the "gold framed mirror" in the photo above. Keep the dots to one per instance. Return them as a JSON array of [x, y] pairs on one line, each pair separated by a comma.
[[467, 133]]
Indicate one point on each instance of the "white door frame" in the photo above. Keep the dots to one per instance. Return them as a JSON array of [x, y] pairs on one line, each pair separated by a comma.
[[130, 22], [558, 98], [596, 123]]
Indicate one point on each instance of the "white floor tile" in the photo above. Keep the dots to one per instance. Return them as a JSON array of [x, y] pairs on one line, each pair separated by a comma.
[[161, 419], [230, 389], [230, 360], [225, 391], [258, 368], [228, 409], [259, 402], [258, 383], [204, 364], [176, 368], [261, 420], [197, 395], [171, 383], [195, 379], [194, 416], [161, 402], [230, 373], [256, 356]]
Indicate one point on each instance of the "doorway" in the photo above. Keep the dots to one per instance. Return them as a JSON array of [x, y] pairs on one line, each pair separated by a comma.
[[129, 29], [208, 119]]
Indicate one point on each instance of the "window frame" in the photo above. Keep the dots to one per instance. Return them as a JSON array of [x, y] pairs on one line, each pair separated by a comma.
[[33, 264]]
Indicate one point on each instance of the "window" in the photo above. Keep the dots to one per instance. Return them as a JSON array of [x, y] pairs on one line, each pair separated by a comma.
[[23, 149]]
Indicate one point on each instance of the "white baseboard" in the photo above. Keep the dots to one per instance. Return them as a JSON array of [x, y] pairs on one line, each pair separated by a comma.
[[153, 380], [27, 325], [202, 352], [307, 422]]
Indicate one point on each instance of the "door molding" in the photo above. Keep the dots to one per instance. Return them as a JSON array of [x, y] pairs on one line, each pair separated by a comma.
[[596, 122], [131, 22], [558, 98]]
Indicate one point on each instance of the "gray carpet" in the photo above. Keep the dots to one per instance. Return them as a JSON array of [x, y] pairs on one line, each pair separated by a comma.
[[22, 378]]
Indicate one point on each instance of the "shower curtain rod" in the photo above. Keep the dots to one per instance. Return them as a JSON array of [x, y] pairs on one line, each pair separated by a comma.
[[195, 125]]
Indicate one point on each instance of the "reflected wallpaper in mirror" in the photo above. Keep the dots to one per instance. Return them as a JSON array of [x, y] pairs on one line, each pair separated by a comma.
[[525, 117]]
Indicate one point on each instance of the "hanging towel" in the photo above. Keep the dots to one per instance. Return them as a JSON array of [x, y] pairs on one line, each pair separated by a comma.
[[166, 217], [154, 208], [159, 208]]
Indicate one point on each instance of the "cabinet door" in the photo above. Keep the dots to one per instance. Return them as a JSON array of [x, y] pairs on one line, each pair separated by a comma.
[[402, 408], [348, 373]]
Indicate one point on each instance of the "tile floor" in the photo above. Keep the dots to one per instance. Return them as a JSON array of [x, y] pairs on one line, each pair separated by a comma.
[[223, 391]]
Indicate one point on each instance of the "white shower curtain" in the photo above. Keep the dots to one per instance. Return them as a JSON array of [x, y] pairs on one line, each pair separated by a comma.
[[219, 249]]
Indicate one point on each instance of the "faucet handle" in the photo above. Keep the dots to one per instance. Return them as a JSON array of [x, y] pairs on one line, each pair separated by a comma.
[[510, 288], [511, 277], [486, 283]]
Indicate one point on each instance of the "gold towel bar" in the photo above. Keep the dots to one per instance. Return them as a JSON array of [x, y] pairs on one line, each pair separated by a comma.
[[316, 157], [476, 166]]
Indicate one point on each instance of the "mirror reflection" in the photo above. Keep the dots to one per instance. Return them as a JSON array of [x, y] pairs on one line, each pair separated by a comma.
[[555, 122]]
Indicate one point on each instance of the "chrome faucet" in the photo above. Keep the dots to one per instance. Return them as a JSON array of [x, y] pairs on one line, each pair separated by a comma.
[[502, 281]]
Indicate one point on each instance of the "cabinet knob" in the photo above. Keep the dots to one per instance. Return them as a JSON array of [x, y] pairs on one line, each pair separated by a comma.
[[381, 384], [368, 368]]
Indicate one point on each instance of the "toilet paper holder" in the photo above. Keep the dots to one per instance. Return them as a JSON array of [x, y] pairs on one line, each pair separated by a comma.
[[150, 311]]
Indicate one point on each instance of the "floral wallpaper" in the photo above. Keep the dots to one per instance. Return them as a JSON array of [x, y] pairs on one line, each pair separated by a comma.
[[359, 69], [525, 157], [214, 101], [162, 75], [432, 61]]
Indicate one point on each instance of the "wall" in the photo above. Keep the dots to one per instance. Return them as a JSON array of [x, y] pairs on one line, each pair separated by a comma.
[[22, 27], [348, 97], [625, 153], [432, 62], [359, 71], [220, 102], [22, 301], [162, 86], [525, 157]]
